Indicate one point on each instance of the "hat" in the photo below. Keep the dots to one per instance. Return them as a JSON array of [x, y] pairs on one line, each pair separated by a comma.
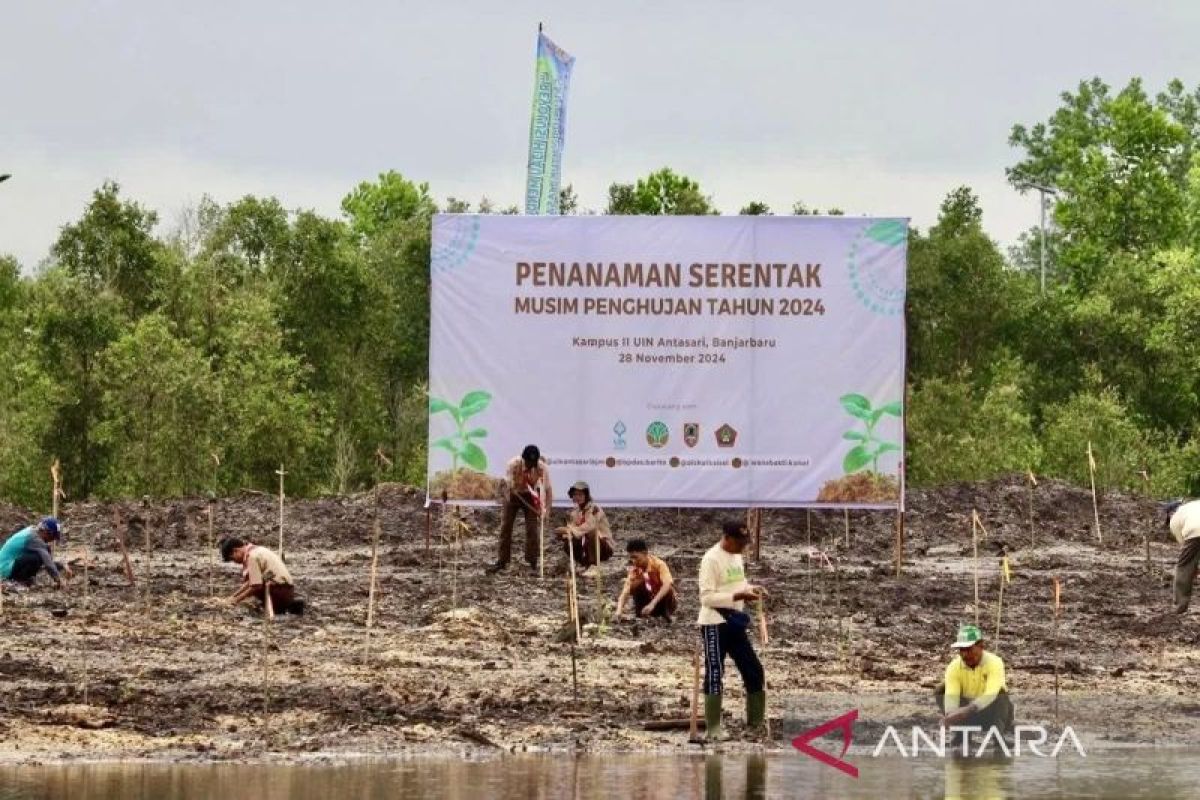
[[50, 526], [967, 635], [579, 486]]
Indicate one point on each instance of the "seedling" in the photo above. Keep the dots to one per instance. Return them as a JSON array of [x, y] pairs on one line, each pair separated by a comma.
[[870, 447], [461, 445]]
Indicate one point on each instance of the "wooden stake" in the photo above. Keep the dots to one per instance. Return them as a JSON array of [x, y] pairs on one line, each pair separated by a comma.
[[56, 492], [572, 596], [899, 542], [1032, 483], [846, 519], [757, 513], [280, 472], [119, 534], [693, 733], [374, 573], [999, 607], [212, 552], [87, 607], [975, 557], [808, 527], [762, 634], [1095, 503], [1057, 605], [428, 525], [574, 676], [268, 616], [1145, 537], [542, 547]]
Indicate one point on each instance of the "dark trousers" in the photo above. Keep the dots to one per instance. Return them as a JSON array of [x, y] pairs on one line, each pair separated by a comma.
[[1185, 573], [585, 548], [512, 506], [665, 608], [734, 641], [999, 713], [27, 566], [283, 598]]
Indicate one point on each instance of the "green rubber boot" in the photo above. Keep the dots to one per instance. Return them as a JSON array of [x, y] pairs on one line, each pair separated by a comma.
[[756, 712], [712, 717]]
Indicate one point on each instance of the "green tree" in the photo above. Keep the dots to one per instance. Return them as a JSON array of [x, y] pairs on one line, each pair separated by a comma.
[[755, 208], [660, 193], [157, 398], [372, 206]]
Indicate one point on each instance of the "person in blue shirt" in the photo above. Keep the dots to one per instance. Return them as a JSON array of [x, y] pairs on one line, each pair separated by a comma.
[[27, 551]]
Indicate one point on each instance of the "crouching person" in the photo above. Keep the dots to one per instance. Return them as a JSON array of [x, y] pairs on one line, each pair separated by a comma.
[[974, 692], [27, 552], [260, 567], [649, 584]]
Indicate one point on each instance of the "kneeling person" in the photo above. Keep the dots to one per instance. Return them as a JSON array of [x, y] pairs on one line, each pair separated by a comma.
[[586, 533], [27, 551], [260, 566], [649, 583], [974, 692]]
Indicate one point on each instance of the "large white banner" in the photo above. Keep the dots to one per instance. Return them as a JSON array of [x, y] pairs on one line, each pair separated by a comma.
[[674, 361]]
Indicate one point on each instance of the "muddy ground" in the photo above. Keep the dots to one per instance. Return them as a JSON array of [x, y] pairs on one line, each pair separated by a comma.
[[457, 659]]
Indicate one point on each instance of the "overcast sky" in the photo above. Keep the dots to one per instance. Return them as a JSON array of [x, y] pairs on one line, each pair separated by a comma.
[[874, 107]]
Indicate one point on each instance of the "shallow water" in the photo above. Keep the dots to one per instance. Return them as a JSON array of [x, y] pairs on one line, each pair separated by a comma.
[[1109, 774]]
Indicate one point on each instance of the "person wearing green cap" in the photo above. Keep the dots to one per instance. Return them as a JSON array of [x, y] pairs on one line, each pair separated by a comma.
[[974, 692], [587, 532]]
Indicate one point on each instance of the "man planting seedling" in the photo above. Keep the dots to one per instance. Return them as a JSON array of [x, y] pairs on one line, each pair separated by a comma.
[[27, 552], [262, 567], [529, 492], [586, 532], [974, 692], [649, 584], [1184, 521]]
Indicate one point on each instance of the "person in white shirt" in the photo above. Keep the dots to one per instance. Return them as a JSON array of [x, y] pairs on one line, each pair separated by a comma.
[[724, 628], [1185, 526]]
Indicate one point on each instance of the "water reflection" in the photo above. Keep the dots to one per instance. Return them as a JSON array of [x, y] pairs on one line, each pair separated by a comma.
[[1128, 774]]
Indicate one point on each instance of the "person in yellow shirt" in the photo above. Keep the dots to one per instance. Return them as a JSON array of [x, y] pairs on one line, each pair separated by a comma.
[[974, 692]]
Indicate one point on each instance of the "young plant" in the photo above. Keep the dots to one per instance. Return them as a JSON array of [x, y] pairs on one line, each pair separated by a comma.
[[461, 445], [869, 447]]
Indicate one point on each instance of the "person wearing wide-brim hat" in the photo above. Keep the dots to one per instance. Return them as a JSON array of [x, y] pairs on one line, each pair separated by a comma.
[[27, 551], [974, 692], [586, 531]]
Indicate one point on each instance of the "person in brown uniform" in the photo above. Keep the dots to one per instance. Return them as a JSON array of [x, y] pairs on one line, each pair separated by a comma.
[[262, 567], [586, 532], [529, 492], [649, 584]]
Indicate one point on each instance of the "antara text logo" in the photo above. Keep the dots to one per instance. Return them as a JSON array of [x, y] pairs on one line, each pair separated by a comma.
[[955, 740]]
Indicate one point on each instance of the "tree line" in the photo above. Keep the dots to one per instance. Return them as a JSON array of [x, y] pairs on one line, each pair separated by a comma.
[[199, 358]]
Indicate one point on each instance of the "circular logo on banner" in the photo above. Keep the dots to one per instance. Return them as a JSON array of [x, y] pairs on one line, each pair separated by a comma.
[[457, 240], [876, 272], [657, 434]]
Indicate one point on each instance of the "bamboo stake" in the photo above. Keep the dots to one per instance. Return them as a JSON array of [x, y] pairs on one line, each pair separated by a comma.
[[808, 527], [762, 634], [846, 519], [572, 596], [428, 524], [280, 472], [1000, 602], [1095, 503], [975, 557], [87, 607], [693, 732], [458, 526], [1057, 605], [1032, 484], [574, 676], [374, 572], [1145, 536], [268, 616], [542, 547], [119, 534], [212, 551]]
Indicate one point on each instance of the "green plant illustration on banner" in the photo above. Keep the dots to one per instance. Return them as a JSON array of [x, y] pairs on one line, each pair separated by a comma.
[[462, 444], [869, 447]]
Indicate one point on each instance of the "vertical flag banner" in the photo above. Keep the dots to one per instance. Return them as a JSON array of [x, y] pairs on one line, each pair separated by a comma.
[[547, 127]]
